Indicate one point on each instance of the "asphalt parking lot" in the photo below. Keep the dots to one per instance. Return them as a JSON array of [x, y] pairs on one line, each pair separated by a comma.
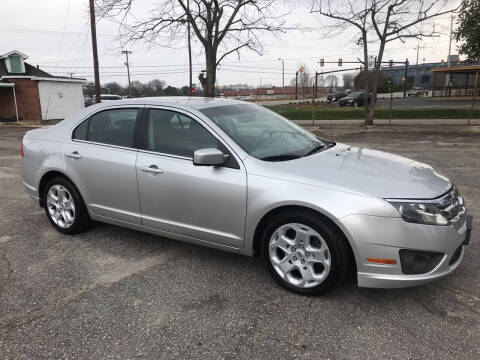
[[113, 293]]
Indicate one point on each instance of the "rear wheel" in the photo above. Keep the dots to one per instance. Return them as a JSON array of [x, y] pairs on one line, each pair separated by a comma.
[[304, 252], [64, 207]]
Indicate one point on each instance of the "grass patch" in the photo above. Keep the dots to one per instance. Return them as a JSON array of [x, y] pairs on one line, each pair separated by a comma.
[[334, 112]]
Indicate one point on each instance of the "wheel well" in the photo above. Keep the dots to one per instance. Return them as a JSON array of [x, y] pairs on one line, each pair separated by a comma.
[[257, 237], [44, 181]]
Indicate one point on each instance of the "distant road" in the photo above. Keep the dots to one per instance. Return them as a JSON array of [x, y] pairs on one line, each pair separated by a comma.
[[407, 102]]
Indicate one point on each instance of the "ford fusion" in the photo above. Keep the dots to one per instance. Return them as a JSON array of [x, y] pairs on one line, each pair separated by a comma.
[[238, 177]]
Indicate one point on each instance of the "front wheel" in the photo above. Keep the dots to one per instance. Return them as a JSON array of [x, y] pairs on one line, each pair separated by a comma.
[[305, 253], [64, 207]]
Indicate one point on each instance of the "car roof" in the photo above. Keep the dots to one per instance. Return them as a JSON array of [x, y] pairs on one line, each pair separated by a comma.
[[196, 103]]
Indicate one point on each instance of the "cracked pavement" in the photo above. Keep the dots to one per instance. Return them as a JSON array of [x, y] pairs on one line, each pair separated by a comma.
[[114, 293]]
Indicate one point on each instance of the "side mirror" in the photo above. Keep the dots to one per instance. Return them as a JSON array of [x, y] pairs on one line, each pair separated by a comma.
[[209, 157]]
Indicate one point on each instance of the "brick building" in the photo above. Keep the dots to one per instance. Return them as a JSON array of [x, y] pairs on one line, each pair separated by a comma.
[[29, 93]]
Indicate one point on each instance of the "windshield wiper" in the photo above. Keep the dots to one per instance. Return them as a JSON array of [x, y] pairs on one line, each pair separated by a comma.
[[315, 149], [282, 157]]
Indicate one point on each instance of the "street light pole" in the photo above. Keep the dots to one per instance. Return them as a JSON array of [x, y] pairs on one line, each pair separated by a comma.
[[127, 52], [406, 78], [416, 66], [296, 85], [283, 74], [93, 30]]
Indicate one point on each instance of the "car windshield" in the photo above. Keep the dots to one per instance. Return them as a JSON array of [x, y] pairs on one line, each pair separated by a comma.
[[263, 133]]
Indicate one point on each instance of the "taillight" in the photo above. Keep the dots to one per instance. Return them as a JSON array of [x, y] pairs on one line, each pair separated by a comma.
[[21, 150]]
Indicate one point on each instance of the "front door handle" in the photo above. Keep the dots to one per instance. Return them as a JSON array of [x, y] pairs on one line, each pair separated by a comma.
[[74, 155], [152, 169]]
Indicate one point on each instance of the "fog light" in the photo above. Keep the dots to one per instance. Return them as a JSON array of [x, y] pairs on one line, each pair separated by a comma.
[[418, 262]]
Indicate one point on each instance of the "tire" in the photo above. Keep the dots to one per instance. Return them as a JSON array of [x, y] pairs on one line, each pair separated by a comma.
[[64, 207], [341, 104], [303, 269]]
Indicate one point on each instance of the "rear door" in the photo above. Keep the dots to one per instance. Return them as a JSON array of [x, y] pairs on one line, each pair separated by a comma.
[[200, 202], [101, 157]]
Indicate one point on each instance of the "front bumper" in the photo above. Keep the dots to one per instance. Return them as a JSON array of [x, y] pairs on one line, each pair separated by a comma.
[[393, 234]]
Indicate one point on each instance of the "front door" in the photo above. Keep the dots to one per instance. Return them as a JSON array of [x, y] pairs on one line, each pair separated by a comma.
[[101, 160], [200, 202]]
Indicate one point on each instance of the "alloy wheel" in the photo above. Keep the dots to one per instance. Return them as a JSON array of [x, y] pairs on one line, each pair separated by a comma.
[[61, 206], [299, 255]]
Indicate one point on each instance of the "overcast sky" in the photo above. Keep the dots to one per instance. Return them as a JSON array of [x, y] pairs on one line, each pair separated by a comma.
[[55, 35]]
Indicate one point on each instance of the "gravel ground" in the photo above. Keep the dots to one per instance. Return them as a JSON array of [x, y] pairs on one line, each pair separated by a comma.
[[113, 293]]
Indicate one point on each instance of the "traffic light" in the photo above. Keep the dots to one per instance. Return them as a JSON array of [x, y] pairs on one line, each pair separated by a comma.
[[301, 69], [390, 63], [443, 62], [340, 62], [322, 62]]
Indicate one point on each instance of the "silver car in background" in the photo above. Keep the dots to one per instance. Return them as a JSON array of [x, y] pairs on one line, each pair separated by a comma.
[[239, 177]]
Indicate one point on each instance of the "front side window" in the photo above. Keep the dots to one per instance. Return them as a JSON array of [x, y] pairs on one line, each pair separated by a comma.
[[176, 134], [112, 127], [263, 133]]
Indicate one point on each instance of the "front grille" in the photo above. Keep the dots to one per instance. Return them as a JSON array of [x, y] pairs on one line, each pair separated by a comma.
[[452, 205]]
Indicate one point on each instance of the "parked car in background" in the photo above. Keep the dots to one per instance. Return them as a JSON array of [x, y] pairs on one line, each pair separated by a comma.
[[103, 98], [416, 91], [110, 97], [336, 96], [354, 99], [238, 177]]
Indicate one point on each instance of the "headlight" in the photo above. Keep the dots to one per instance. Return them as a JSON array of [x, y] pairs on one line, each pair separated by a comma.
[[444, 210], [422, 213], [350, 100]]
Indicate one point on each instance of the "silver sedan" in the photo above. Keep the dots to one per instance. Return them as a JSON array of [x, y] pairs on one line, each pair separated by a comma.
[[239, 177]]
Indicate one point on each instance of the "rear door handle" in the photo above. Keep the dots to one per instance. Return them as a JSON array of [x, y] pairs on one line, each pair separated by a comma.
[[152, 169], [74, 155]]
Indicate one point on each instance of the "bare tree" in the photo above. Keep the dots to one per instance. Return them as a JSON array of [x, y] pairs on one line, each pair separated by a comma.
[[381, 22], [348, 80], [304, 79], [223, 27], [331, 82]]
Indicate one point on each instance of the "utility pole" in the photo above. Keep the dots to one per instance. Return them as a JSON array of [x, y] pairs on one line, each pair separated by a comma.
[[93, 30], [447, 77], [416, 66], [189, 52], [127, 52], [406, 78]]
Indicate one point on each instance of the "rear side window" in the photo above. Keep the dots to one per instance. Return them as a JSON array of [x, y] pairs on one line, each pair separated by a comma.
[[112, 127], [80, 133]]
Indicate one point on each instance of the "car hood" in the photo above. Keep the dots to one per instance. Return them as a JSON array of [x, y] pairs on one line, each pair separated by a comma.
[[366, 171]]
